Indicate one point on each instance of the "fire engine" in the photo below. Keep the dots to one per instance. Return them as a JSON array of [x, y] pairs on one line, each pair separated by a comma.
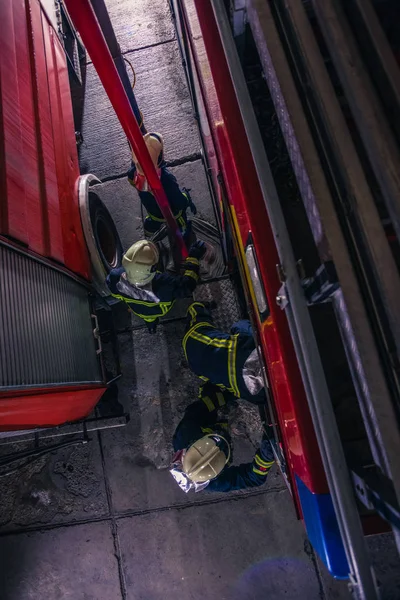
[[305, 181]]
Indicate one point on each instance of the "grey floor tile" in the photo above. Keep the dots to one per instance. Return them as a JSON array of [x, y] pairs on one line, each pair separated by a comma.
[[192, 176], [249, 549], [139, 23], [62, 486], [162, 96], [386, 563], [67, 563], [334, 589]]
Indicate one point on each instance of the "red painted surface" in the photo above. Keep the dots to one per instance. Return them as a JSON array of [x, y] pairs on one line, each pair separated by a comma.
[[39, 174], [87, 25], [54, 389], [47, 409], [245, 196], [38, 158]]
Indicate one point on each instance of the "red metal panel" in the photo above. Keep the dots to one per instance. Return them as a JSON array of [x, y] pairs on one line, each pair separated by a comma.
[[246, 199], [12, 42], [66, 161], [47, 409], [38, 157], [76, 255], [30, 158], [52, 235]]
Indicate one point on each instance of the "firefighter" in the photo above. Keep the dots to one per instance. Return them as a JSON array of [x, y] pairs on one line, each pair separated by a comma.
[[148, 293], [203, 453], [227, 360], [179, 201]]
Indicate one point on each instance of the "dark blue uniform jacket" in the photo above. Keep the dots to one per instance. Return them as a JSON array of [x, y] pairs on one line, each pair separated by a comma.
[[178, 201], [216, 356], [166, 287], [201, 418]]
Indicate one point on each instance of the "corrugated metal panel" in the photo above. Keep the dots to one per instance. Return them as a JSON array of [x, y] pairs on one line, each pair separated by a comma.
[[46, 331]]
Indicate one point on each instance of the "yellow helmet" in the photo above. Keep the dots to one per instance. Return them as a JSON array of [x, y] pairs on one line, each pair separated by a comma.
[[204, 460], [155, 146], [138, 262]]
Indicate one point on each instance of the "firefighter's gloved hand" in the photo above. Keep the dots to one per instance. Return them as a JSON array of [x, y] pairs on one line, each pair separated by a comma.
[[152, 326], [266, 450], [198, 250]]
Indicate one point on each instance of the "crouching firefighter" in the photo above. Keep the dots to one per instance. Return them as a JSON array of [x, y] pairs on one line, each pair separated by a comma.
[[179, 201], [148, 293], [203, 453], [229, 360]]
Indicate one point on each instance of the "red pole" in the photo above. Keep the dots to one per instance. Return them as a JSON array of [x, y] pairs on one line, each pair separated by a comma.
[[85, 21]]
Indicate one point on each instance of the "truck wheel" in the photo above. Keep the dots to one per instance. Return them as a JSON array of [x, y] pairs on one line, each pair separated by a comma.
[[101, 235], [105, 233]]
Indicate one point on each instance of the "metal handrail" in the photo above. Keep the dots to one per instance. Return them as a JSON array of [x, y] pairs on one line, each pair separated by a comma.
[[302, 332]]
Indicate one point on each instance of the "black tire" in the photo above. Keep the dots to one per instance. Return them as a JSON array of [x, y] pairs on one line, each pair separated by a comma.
[[105, 234]]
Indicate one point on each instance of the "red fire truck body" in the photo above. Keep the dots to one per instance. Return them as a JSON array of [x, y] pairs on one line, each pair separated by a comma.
[[46, 268]]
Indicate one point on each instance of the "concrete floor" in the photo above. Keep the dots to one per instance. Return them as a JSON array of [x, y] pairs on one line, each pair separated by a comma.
[[105, 521]]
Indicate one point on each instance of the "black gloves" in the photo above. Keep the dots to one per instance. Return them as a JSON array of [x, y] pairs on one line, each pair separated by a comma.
[[152, 326], [198, 250]]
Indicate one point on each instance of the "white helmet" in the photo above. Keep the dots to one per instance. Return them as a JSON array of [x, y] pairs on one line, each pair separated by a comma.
[[138, 262], [204, 460]]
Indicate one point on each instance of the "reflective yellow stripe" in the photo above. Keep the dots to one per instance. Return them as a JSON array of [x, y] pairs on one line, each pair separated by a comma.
[[207, 430], [220, 385], [163, 306], [153, 218], [166, 307], [191, 274], [208, 402], [217, 343], [263, 463], [232, 365], [223, 425], [147, 319], [208, 341], [264, 473], [220, 398], [188, 333], [193, 313], [177, 217], [192, 260], [133, 301], [197, 304], [230, 344]]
